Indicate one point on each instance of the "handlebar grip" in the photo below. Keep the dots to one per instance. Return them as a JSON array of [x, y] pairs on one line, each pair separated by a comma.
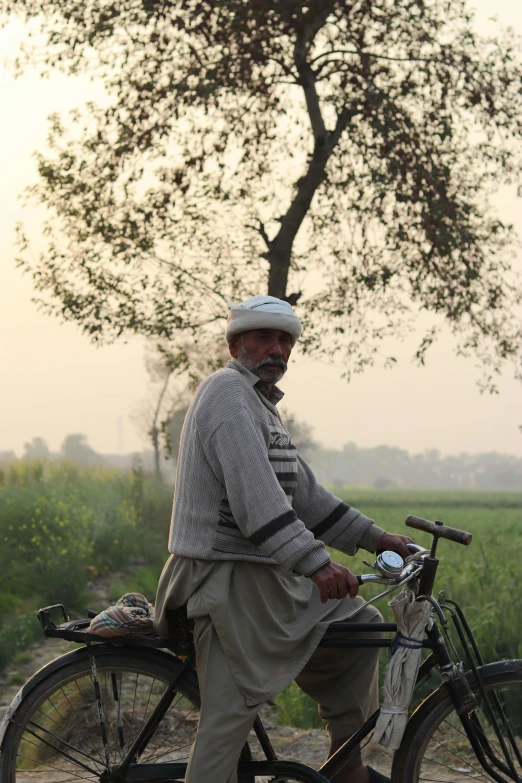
[[440, 530]]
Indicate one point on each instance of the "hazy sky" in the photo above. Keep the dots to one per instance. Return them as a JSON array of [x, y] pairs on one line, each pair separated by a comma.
[[54, 382]]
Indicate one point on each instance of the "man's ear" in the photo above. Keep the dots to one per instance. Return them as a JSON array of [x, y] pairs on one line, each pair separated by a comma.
[[233, 346]]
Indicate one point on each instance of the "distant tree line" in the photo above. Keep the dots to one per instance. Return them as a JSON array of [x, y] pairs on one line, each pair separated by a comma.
[[386, 467], [76, 449], [383, 467]]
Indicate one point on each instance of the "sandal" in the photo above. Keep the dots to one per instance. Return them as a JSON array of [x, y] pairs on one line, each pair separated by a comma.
[[376, 777]]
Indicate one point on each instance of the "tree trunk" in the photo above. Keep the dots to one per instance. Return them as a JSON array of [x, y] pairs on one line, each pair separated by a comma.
[[154, 434], [279, 254]]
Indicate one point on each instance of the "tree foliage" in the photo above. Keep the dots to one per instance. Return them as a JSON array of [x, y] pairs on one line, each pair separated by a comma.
[[36, 449], [340, 155], [75, 448]]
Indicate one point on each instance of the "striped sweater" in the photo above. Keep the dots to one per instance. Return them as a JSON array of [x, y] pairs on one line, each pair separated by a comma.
[[244, 493]]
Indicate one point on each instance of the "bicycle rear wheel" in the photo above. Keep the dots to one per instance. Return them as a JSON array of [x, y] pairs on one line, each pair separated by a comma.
[[436, 748], [57, 735]]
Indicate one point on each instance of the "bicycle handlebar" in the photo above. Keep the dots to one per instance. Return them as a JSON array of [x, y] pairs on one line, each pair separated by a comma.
[[439, 530]]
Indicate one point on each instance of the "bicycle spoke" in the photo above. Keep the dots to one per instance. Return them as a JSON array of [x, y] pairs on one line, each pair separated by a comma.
[[116, 696], [181, 747], [88, 705], [478, 728], [155, 756], [134, 702], [148, 702], [493, 753], [59, 738], [79, 720], [445, 779], [108, 722], [449, 756], [65, 719], [76, 776], [61, 752], [463, 761]]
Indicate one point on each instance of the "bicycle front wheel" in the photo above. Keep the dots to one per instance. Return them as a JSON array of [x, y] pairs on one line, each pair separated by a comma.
[[66, 731], [436, 748]]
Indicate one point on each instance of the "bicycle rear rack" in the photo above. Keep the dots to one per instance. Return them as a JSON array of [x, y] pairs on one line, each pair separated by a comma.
[[76, 631]]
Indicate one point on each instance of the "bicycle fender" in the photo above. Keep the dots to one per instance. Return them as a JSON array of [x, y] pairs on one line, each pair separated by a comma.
[[58, 663], [511, 666]]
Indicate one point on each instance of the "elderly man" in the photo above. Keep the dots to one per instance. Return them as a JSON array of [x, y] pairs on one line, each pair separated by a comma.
[[249, 529]]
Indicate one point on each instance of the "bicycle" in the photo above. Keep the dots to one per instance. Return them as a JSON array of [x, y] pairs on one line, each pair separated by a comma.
[[124, 710]]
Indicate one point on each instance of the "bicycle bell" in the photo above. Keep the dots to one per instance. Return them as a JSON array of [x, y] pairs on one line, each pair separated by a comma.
[[389, 563]]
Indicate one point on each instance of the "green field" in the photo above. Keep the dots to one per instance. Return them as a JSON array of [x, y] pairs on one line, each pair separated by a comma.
[[61, 526], [485, 578]]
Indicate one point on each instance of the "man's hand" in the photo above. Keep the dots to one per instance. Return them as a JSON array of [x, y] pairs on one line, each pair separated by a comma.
[[396, 544], [335, 581]]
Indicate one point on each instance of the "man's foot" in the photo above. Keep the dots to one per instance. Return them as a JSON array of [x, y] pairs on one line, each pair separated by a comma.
[[376, 777], [362, 774], [353, 770]]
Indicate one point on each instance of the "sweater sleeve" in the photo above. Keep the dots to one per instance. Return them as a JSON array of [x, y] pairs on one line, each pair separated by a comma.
[[258, 503], [329, 518]]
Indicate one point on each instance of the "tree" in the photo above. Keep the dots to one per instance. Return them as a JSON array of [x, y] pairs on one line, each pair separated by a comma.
[[302, 434], [75, 448], [37, 448], [247, 145], [172, 427], [174, 372], [149, 414]]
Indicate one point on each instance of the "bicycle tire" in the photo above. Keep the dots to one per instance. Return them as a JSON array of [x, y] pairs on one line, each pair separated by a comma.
[[435, 747], [61, 708]]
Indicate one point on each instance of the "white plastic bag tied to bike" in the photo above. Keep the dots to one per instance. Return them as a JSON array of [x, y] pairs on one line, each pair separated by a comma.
[[411, 618]]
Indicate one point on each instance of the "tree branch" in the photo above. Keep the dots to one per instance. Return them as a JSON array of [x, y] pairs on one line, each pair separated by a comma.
[[260, 229], [183, 271], [307, 77], [342, 121], [361, 52], [160, 400]]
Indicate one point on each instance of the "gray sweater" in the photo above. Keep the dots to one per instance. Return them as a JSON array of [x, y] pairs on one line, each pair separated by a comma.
[[244, 493]]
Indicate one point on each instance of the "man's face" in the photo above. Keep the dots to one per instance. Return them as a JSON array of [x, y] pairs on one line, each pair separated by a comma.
[[264, 351]]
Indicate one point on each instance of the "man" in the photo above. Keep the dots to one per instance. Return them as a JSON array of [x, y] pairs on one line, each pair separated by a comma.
[[248, 535]]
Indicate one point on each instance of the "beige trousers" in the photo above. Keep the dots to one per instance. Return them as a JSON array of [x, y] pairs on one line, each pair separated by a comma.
[[343, 682]]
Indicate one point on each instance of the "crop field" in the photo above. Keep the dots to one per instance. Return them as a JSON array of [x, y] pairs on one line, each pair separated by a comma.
[[485, 578], [61, 526]]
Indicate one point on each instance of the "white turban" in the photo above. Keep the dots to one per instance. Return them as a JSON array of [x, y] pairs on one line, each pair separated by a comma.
[[262, 312]]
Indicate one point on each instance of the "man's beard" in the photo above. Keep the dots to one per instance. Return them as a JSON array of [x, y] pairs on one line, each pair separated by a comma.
[[267, 374]]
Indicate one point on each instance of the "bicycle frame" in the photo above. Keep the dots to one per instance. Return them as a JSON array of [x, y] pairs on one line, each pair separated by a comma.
[[452, 674], [128, 770], [145, 773]]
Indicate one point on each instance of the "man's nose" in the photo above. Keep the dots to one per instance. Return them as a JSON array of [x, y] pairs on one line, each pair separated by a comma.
[[276, 349]]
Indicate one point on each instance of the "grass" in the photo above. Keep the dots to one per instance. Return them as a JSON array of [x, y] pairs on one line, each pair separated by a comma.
[[144, 581], [485, 578], [63, 524]]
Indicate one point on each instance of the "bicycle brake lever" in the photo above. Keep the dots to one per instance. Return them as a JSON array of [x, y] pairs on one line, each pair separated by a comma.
[[415, 548], [365, 579]]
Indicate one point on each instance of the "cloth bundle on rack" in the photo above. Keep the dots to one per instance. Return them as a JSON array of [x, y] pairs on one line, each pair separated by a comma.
[[131, 614]]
